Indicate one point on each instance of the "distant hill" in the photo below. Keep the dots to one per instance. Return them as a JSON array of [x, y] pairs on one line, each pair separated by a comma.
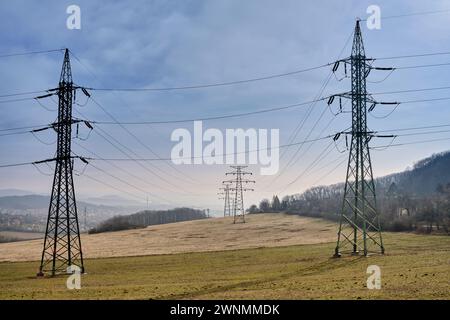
[[422, 179], [24, 202], [113, 200], [36, 202], [29, 212], [14, 192]]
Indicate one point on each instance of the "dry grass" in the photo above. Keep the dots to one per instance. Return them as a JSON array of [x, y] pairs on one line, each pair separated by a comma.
[[414, 267], [268, 230], [19, 236]]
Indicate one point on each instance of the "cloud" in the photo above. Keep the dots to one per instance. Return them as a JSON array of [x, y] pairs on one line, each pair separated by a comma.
[[173, 43]]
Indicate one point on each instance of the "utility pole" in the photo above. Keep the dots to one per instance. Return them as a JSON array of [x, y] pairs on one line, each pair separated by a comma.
[[359, 227], [85, 218], [226, 198], [221, 196], [62, 244], [238, 189]]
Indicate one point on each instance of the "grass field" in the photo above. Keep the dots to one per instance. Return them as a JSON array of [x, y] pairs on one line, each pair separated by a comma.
[[414, 267], [20, 236], [267, 230]]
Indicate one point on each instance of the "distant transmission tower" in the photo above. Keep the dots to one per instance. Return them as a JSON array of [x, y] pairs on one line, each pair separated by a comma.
[[226, 197], [62, 244], [85, 219], [359, 227], [238, 189]]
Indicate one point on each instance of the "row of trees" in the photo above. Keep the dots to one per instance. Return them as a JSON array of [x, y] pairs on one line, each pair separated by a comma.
[[398, 210], [146, 218], [266, 206]]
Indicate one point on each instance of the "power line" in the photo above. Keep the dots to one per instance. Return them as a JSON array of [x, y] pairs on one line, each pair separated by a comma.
[[266, 110], [416, 128], [22, 128], [292, 160], [129, 132], [340, 156], [430, 54], [253, 112], [323, 155], [262, 78], [112, 187], [412, 90], [248, 113], [128, 183], [142, 143], [374, 133], [262, 111], [22, 93], [214, 117], [421, 133], [218, 155], [310, 109], [218, 84], [255, 150], [29, 53], [122, 169], [331, 171], [307, 137], [422, 13], [423, 66], [425, 100], [16, 164], [115, 143], [13, 133], [312, 164], [16, 100], [254, 79], [410, 143]]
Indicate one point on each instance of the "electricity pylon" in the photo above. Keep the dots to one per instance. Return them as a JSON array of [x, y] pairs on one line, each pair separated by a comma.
[[238, 189], [221, 196], [62, 244], [359, 227], [226, 198]]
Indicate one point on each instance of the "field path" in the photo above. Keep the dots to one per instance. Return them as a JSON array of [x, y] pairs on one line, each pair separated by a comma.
[[217, 234]]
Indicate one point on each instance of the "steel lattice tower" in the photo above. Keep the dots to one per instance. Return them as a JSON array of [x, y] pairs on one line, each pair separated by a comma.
[[62, 244], [359, 227], [238, 189], [226, 198]]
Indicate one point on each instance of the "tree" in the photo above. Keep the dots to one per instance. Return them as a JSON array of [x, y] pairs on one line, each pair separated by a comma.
[[276, 205], [253, 209], [285, 203], [264, 206]]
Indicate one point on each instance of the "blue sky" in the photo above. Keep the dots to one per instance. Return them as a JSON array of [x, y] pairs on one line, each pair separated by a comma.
[[174, 43]]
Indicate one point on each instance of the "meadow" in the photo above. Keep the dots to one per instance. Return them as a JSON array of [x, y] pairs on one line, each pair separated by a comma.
[[414, 267]]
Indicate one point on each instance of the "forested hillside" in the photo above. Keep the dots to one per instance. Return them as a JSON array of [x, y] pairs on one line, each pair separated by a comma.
[[415, 199]]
